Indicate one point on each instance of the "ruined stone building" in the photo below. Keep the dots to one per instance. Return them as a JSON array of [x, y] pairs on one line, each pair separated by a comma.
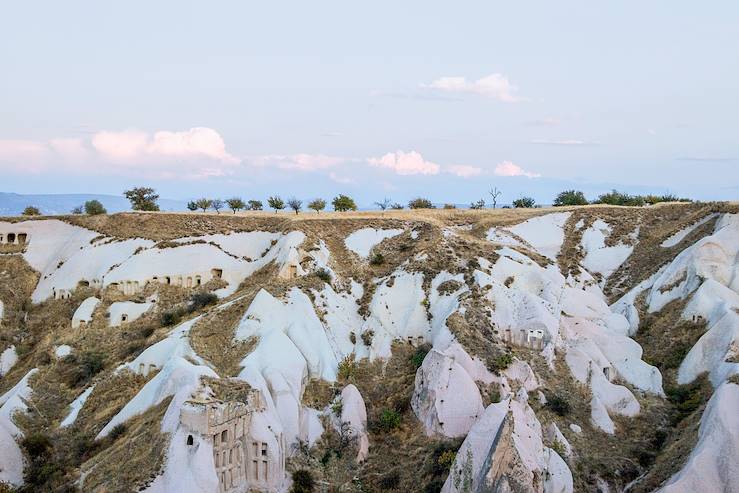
[[242, 462]]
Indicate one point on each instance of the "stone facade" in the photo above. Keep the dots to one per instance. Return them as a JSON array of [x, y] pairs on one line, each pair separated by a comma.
[[242, 463]]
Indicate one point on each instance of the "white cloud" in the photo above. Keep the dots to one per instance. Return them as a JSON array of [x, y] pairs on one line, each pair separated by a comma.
[[300, 162], [406, 163], [495, 86], [189, 154], [507, 168], [198, 142], [463, 170]]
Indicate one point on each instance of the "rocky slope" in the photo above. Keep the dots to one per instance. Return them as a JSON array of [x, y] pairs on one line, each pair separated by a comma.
[[580, 349]]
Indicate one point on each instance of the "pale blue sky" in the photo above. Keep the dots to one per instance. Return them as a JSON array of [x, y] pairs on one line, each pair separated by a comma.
[[317, 98]]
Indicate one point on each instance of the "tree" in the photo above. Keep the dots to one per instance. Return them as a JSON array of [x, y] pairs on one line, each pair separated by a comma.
[[31, 211], [495, 193], [78, 210], [317, 205], [294, 204], [192, 205], [420, 203], [384, 204], [570, 197], [524, 202], [396, 206], [255, 205], [614, 197], [204, 204], [276, 203], [142, 199], [480, 204], [343, 203], [235, 204], [94, 207], [217, 204]]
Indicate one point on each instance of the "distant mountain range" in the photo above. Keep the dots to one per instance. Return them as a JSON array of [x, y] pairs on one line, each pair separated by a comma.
[[12, 204]]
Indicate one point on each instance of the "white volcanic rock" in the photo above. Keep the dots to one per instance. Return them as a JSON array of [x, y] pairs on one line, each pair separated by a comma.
[[445, 399], [362, 241], [717, 351], [246, 244], [552, 434], [354, 417], [11, 457], [8, 359], [504, 448], [544, 233], [128, 310], [600, 258], [397, 311], [680, 235], [84, 312], [76, 406], [712, 465], [713, 257]]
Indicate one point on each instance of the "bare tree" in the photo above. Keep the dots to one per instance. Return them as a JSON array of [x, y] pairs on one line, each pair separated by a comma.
[[294, 204], [384, 204], [217, 204], [495, 193]]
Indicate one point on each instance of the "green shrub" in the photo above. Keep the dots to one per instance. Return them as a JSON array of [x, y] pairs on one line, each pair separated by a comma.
[[94, 208], [420, 203], [615, 197], [419, 356], [570, 197], [501, 362], [524, 202], [558, 404], [343, 203], [36, 445], [303, 482], [255, 205], [377, 259], [31, 211], [390, 481], [480, 204], [117, 431], [389, 420], [171, 317], [450, 206], [201, 300], [347, 368], [324, 275], [559, 447]]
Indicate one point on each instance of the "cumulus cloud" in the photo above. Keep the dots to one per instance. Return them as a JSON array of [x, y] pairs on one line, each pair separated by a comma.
[[464, 170], [507, 168], [198, 142], [195, 153], [300, 162], [406, 163], [495, 86]]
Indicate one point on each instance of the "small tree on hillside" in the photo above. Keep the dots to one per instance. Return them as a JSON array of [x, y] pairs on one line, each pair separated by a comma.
[[383, 204], [142, 199], [495, 193], [276, 203], [397, 206], [480, 204], [94, 207], [343, 203], [420, 203], [294, 204], [524, 202], [317, 205], [217, 205], [31, 211], [77, 210], [570, 197], [255, 205], [192, 205], [235, 204], [204, 203]]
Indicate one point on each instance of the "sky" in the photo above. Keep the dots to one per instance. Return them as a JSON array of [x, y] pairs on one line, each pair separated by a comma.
[[373, 99]]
